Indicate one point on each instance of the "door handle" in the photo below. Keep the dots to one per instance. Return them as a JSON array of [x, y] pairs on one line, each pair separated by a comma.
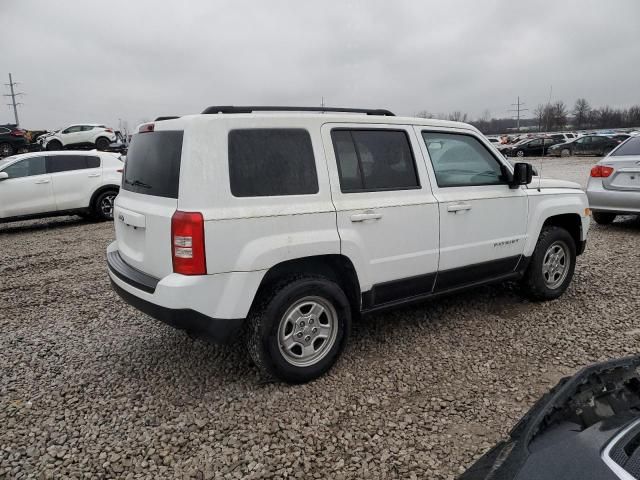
[[362, 217], [94, 175], [458, 207], [40, 182]]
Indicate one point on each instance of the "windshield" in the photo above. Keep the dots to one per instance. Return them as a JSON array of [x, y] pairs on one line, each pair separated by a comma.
[[5, 161], [630, 147]]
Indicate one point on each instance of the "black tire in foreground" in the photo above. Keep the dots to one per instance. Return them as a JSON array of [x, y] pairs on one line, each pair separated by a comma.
[[298, 328], [102, 207], [102, 143], [604, 218], [551, 266]]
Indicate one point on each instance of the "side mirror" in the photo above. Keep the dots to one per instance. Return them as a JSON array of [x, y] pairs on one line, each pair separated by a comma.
[[522, 174], [3, 176]]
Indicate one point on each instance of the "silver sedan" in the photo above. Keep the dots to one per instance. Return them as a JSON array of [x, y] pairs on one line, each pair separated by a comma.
[[614, 184]]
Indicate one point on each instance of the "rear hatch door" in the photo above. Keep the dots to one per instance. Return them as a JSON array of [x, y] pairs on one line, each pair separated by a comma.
[[147, 201], [626, 173]]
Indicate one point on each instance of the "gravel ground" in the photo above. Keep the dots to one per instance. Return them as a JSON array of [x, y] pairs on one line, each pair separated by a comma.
[[91, 388]]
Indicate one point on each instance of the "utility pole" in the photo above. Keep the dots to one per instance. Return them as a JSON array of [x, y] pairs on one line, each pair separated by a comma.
[[518, 110], [13, 96]]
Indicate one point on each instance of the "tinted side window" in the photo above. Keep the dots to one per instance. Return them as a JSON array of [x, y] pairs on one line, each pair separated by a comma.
[[630, 147], [374, 160], [461, 160], [93, 162], [65, 163], [26, 168], [271, 161]]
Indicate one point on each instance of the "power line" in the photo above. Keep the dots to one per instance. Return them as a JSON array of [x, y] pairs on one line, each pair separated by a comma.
[[518, 110], [13, 96]]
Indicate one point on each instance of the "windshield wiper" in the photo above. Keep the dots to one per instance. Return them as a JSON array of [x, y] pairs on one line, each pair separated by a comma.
[[138, 183]]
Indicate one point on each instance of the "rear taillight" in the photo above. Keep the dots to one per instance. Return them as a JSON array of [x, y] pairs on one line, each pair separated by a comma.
[[110, 130], [17, 133], [120, 170], [187, 243], [147, 127], [601, 171]]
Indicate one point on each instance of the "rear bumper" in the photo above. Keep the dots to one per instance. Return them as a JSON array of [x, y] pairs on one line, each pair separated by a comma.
[[615, 201], [213, 305], [217, 329]]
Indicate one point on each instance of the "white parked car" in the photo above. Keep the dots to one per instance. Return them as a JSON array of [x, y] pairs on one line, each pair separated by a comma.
[[44, 184], [86, 135], [280, 228]]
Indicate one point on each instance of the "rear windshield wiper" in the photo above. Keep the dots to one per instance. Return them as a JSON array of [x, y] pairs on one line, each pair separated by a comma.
[[138, 183]]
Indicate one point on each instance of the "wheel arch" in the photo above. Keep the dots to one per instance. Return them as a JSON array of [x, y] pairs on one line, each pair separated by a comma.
[[99, 191], [571, 222], [335, 267]]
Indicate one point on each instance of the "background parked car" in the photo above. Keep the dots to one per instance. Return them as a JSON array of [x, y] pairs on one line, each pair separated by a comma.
[[12, 140], [87, 135], [586, 145], [45, 184], [530, 147], [614, 183]]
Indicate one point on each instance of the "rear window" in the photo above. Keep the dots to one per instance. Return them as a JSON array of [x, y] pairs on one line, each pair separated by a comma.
[[153, 164], [630, 147], [269, 162]]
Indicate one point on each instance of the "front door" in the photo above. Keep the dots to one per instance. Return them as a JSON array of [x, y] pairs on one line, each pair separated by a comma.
[[387, 216], [28, 190], [483, 222], [582, 146]]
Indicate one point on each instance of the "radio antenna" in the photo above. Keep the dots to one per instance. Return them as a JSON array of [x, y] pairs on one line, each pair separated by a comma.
[[540, 174]]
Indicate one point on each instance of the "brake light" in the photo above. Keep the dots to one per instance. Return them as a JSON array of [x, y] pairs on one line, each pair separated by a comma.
[[601, 171], [17, 133], [110, 130], [120, 170], [146, 127], [187, 243]]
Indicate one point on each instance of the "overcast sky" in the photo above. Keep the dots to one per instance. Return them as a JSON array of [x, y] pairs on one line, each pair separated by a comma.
[[92, 61]]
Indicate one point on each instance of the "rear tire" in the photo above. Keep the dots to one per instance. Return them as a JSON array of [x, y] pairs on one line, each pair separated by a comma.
[[604, 218], [102, 207], [551, 266], [54, 145], [520, 153], [102, 143], [298, 328], [565, 152]]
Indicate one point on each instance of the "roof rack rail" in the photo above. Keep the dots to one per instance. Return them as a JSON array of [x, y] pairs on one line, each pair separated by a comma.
[[250, 109], [168, 117]]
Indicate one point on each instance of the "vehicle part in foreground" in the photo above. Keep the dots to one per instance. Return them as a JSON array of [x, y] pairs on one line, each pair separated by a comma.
[[586, 427]]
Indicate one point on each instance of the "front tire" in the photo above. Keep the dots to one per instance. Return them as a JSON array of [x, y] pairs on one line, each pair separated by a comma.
[[551, 266], [298, 328], [565, 152], [604, 218], [102, 207], [520, 153], [54, 145]]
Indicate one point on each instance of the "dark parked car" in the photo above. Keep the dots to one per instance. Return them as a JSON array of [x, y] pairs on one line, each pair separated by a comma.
[[586, 428], [537, 147], [12, 140], [587, 145]]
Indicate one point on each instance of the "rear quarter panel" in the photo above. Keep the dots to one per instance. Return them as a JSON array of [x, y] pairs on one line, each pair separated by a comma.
[[252, 233]]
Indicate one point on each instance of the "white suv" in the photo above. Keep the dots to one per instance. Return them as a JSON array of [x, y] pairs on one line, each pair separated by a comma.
[[86, 135], [279, 228], [44, 184]]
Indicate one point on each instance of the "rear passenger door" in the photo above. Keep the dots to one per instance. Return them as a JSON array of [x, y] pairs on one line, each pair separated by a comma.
[[386, 213], [483, 222], [74, 178]]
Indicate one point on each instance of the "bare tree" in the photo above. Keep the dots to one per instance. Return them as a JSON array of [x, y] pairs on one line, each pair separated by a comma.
[[558, 115], [581, 113], [425, 114], [457, 116], [540, 113]]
